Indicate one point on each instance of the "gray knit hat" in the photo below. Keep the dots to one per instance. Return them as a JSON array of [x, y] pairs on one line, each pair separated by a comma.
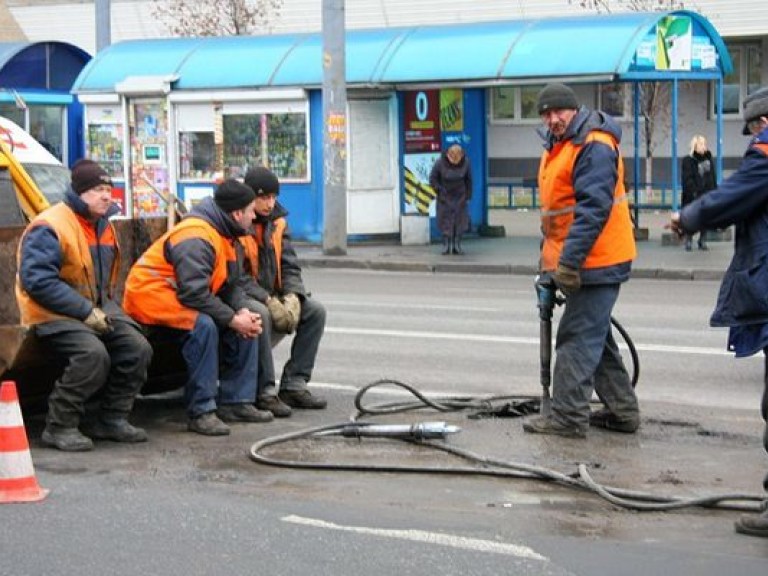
[[262, 180], [755, 105], [232, 195], [556, 97]]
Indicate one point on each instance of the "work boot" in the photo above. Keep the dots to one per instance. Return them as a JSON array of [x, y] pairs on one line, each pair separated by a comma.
[[271, 403], [604, 418], [208, 424], [302, 399], [119, 430], [753, 525], [548, 425], [243, 413], [66, 439]]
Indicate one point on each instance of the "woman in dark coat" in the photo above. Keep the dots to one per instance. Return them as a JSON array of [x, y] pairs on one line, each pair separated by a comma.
[[698, 178], [451, 179]]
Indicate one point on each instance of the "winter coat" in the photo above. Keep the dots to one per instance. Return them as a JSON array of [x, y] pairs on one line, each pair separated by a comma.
[[585, 209], [271, 258], [453, 185], [742, 199], [698, 174], [191, 269]]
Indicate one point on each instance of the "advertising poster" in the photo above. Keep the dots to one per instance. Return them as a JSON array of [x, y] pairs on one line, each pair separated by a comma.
[[419, 195], [422, 121], [674, 43]]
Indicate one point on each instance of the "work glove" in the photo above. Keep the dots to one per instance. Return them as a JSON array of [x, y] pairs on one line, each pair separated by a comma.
[[293, 308], [281, 320], [98, 321], [567, 279]]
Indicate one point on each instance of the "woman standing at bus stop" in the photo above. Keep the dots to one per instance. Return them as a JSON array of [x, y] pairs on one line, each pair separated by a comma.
[[451, 179]]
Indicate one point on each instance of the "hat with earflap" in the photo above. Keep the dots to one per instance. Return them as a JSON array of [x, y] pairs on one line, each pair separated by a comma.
[[262, 181], [755, 106], [232, 195], [556, 97], [87, 174]]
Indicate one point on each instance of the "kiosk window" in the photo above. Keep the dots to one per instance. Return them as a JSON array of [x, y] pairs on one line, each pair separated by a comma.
[[275, 140], [197, 155]]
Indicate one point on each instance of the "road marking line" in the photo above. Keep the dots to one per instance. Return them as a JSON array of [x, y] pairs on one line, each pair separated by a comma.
[[517, 340], [474, 544]]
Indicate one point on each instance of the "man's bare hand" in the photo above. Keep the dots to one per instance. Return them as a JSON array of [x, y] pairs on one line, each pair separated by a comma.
[[246, 323]]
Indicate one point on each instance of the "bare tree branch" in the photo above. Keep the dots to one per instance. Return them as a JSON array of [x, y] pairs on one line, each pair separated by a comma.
[[216, 18]]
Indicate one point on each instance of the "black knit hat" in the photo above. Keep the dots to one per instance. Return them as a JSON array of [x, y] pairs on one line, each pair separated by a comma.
[[262, 181], [556, 97], [232, 195], [87, 174], [755, 105]]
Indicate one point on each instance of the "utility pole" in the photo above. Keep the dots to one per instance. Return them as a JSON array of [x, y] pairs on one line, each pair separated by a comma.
[[103, 24], [335, 130]]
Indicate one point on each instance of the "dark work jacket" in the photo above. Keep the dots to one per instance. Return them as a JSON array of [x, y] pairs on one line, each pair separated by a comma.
[[698, 174], [741, 199], [267, 281], [40, 262]]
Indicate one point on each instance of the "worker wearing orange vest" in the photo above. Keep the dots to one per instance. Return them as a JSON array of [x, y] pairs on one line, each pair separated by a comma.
[[68, 261], [186, 287], [587, 250], [278, 294]]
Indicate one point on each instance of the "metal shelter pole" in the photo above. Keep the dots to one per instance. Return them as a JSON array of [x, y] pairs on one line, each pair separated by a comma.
[[719, 124], [334, 130], [103, 24], [636, 103], [674, 145]]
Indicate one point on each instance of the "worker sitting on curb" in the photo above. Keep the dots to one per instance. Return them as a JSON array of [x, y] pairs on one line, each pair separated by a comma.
[[186, 288], [588, 250], [279, 295], [68, 262]]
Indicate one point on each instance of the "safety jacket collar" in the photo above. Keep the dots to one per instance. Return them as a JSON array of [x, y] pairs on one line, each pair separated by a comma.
[[80, 208], [278, 212], [583, 123]]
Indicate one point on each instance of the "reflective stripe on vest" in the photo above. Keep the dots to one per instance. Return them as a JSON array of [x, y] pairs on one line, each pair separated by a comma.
[[615, 243]]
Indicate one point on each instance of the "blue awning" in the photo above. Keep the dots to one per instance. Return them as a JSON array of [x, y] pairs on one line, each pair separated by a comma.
[[40, 65], [585, 48]]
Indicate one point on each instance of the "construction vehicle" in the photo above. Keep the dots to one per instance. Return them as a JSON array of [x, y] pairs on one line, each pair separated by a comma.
[[31, 180]]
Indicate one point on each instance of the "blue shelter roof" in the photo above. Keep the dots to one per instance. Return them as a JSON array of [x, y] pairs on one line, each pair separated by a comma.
[[40, 65], [588, 48]]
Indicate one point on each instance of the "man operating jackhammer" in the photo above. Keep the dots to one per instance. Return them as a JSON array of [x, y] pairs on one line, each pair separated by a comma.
[[742, 305], [587, 251]]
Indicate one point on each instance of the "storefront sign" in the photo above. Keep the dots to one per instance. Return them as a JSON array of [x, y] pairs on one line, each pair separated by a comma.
[[422, 121]]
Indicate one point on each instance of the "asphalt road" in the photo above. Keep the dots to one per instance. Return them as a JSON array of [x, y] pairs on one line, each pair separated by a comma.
[[186, 505]]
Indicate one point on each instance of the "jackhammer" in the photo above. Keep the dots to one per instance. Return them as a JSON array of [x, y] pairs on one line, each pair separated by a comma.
[[547, 297]]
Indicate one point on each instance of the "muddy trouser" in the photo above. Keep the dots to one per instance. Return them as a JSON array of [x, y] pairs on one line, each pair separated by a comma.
[[115, 364], [297, 372], [222, 367], [587, 358]]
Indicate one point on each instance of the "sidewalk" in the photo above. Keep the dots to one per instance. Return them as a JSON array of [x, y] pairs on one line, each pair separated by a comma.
[[517, 253]]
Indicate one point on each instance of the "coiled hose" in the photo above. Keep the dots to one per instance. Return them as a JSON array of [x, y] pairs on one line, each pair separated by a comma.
[[485, 466]]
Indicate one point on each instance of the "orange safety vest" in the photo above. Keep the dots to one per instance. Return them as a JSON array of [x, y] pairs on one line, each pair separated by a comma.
[[76, 236], [616, 242], [150, 290], [252, 243]]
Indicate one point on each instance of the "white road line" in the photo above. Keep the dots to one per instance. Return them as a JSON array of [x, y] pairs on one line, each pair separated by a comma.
[[474, 544], [517, 340], [405, 305]]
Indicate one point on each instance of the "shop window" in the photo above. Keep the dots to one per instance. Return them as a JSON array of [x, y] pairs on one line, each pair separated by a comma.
[[514, 103], [46, 125], [14, 113], [275, 140], [197, 156], [612, 99], [742, 81], [105, 146]]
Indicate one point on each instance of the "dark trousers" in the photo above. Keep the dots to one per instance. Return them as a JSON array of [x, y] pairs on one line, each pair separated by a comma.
[[764, 411], [115, 364], [222, 367], [588, 359], [297, 372]]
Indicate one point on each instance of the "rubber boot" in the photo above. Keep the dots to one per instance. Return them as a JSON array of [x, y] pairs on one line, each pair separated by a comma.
[[457, 245]]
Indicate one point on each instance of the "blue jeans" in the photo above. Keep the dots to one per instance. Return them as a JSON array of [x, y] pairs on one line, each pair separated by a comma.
[[222, 367]]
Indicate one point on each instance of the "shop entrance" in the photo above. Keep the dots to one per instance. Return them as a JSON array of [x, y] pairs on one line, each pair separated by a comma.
[[372, 193]]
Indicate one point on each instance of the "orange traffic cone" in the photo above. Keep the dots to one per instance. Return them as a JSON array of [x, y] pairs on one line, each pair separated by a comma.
[[17, 475]]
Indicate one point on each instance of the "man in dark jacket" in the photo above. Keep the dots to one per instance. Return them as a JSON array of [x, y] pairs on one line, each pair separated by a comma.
[[279, 296], [587, 251], [742, 303], [65, 287], [186, 287]]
